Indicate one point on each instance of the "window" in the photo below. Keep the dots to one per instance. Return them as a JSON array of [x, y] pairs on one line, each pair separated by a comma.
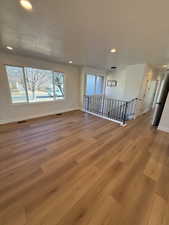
[[90, 84], [34, 85], [99, 85], [94, 84], [38, 83], [58, 80], [16, 84]]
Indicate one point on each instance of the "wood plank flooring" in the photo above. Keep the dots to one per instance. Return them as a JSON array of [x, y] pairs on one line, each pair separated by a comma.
[[78, 169]]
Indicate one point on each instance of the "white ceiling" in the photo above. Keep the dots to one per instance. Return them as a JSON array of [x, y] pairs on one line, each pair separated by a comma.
[[84, 30]]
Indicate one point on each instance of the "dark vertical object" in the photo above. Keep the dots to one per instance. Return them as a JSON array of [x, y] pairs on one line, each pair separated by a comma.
[[115, 110], [87, 102], [111, 109], [125, 113], [161, 102], [103, 103], [118, 110]]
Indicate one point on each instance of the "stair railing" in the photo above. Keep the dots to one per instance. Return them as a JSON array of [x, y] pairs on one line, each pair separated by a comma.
[[116, 110]]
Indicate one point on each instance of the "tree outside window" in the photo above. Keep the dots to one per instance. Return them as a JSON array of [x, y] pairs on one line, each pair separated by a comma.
[[33, 85]]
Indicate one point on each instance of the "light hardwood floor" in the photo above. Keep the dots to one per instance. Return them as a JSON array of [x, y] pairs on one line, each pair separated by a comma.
[[77, 169]]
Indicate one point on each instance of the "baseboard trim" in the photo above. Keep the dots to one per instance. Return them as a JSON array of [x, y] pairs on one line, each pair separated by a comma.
[[38, 116], [165, 129]]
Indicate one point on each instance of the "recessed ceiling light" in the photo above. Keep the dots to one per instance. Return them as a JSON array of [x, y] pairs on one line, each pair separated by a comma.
[[9, 47], [26, 4], [113, 50], [70, 62]]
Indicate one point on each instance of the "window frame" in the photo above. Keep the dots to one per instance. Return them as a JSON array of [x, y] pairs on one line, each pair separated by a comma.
[[25, 84]]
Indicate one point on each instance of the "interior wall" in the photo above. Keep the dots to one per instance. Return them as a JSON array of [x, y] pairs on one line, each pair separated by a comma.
[[129, 81], [134, 79], [118, 91], [13, 112]]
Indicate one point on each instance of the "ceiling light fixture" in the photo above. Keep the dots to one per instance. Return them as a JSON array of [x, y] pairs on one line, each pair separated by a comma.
[[70, 62], [26, 4], [113, 50], [9, 47]]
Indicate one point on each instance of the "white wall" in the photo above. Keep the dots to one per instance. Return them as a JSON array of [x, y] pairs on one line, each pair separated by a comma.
[[13, 112], [129, 81], [118, 91], [134, 80], [164, 122]]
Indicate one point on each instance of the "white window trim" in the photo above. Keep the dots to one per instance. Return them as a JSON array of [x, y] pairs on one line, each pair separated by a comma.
[[26, 91]]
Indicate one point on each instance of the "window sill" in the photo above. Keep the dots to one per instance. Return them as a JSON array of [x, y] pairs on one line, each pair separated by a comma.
[[32, 103]]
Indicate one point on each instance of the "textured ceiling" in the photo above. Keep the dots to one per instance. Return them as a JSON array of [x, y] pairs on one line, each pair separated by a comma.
[[84, 31]]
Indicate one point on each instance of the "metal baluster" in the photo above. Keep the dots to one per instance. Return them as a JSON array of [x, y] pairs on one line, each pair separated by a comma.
[[108, 113], [103, 99], [110, 108], [113, 105], [85, 103], [100, 104], [116, 109], [106, 107], [97, 104], [94, 104], [87, 97], [125, 111], [128, 110], [93, 109], [90, 102], [120, 110], [95, 98]]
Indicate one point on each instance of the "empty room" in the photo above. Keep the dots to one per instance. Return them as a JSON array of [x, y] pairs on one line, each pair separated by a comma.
[[84, 112]]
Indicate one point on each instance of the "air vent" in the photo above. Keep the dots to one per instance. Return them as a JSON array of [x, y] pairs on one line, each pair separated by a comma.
[[22, 121], [113, 67]]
